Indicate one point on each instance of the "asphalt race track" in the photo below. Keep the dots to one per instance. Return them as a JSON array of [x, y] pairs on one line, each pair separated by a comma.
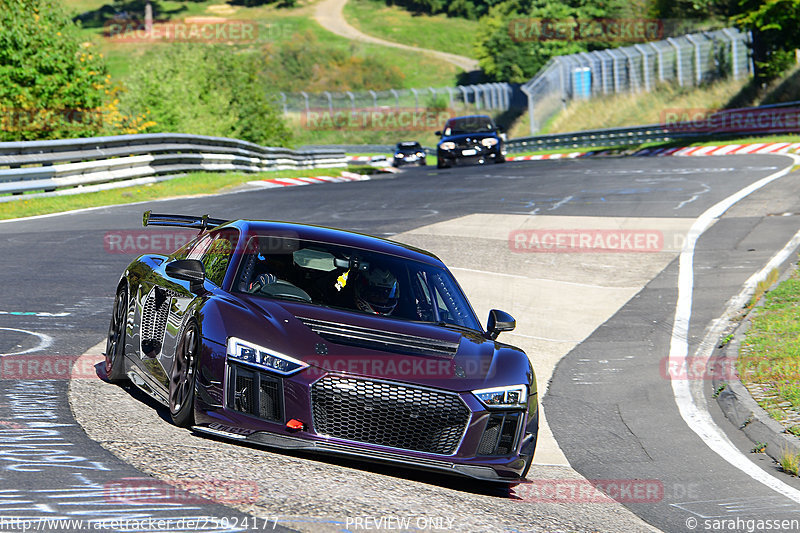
[[611, 409]]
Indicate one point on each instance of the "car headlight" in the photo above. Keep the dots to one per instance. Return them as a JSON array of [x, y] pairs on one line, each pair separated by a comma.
[[448, 145], [399, 156], [255, 355], [489, 142], [420, 154], [503, 397]]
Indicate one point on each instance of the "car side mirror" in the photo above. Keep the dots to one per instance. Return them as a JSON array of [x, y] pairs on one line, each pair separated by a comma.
[[499, 321], [437, 133], [191, 270]]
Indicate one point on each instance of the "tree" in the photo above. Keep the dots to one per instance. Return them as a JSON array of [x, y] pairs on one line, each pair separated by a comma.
[[470, 9], [510, 47], [774, 24], [205, 90], [51, 84]]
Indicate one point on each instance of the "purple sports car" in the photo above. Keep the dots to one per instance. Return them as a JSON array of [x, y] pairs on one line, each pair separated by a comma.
[[301, 337]]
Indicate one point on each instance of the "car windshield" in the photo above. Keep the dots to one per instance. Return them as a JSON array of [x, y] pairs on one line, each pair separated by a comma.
[[408, 146], [352, 279], [459, 126]]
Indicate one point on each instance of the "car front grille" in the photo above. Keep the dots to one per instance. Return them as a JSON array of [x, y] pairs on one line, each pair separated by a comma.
[[465, 145], [389, 414]]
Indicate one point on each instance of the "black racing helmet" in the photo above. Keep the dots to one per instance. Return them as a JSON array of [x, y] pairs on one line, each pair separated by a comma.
[[377, 291]]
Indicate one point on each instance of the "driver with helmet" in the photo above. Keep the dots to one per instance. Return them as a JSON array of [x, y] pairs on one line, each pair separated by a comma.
[[376, 291]]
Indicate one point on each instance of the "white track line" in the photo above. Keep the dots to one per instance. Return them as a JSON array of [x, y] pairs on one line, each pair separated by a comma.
[[44, 341], [694, 412]]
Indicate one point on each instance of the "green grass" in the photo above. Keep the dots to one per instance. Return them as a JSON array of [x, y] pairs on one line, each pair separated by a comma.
[[637, 109], [277, 26], [790, 462], [420, 70], [304, 135], [392, 23], [769, 358], [191, 184]]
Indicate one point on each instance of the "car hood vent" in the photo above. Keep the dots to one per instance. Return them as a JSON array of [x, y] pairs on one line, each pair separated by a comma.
[[380, 340]]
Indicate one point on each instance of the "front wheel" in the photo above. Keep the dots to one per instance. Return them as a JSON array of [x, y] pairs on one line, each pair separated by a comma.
[[183, 377], [115, 342]]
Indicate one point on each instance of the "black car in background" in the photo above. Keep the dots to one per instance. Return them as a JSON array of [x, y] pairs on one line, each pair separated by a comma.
[[409, 153], [473, 139]]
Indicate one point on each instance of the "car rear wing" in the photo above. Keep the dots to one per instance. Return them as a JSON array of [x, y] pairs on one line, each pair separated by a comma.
[[184, 221]]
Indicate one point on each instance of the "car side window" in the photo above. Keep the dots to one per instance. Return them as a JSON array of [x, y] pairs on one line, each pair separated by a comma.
[[215, 251], [200, 247]]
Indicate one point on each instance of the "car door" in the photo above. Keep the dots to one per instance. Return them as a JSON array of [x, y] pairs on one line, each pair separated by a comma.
[[215, 251]]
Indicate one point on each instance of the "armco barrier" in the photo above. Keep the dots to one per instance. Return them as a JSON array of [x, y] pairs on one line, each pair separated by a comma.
[[59, 164], [635, 135], [594, 138]]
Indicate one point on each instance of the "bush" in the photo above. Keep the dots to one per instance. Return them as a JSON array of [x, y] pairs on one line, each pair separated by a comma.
[[52, 85], [205, 90], [305, 62], [504, 58]]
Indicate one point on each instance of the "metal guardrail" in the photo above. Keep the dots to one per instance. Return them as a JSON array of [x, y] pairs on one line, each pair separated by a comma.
[[485, 96], [59, 164], [68, 163], [606, 138], [354, 148], [593, 138], [634, 135]]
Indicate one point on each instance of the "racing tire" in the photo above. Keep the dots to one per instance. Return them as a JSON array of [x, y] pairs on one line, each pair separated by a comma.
[[115, 342], [183, 377]]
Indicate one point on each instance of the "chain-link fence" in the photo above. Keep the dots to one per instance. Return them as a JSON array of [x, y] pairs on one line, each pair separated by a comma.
[[466, 98], [688, 60]]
